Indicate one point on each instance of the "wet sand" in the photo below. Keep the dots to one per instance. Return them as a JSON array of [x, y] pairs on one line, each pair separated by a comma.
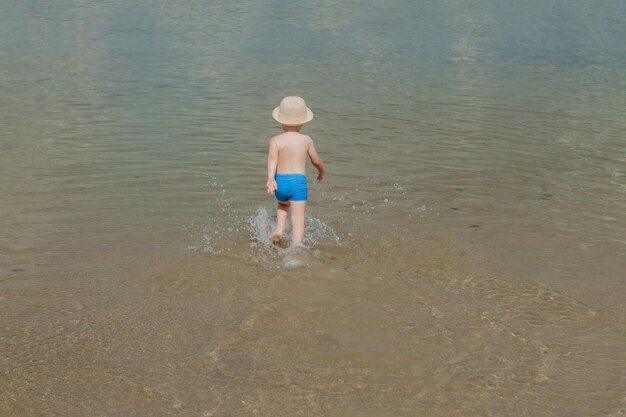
[[356, 330]]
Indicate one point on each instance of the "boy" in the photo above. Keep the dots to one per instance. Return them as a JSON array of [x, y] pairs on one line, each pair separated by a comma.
[[286, 167]]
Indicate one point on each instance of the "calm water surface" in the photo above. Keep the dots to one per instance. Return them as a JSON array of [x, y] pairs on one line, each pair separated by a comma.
[[467, 248]]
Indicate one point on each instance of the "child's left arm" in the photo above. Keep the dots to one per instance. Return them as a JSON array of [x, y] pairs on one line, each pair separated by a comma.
[[316, 161], [272, 163]]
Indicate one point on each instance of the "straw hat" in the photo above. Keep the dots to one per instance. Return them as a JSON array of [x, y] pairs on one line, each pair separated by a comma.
[[292, 112]]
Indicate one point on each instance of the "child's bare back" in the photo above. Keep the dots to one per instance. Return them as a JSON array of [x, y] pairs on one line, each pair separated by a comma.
[[293, 148], [286, 166]]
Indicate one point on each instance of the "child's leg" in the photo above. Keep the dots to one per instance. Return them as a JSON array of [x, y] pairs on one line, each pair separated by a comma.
[[281, 217], [297, 222]]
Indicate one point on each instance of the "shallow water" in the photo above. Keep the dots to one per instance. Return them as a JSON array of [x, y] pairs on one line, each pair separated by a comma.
[[465, 252]]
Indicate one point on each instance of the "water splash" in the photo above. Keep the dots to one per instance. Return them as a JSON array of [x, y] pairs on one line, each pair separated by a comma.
[[248, 237], [261, 224], [316, 232]]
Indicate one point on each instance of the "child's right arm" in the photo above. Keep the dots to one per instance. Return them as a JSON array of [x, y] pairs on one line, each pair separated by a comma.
[[316, 161], [272, 163]]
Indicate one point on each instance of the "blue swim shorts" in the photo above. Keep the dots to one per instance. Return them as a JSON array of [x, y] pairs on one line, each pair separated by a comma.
[[291, 187]]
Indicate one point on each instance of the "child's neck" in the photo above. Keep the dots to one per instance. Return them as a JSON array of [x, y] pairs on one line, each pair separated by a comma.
[[291, 128]]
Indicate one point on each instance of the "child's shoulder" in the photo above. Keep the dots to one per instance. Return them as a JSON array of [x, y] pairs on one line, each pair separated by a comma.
[[285, 136]]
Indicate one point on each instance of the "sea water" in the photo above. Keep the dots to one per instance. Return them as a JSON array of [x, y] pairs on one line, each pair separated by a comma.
[[465, 251]]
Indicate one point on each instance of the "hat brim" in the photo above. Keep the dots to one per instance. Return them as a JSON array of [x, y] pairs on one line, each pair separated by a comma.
[[309, 117]]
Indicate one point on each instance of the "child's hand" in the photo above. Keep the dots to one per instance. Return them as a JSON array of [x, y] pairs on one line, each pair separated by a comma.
[[271, 186], [320, 176]]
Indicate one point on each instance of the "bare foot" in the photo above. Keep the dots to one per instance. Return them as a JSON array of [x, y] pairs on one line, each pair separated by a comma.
[[298, 247], [276, 237]]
